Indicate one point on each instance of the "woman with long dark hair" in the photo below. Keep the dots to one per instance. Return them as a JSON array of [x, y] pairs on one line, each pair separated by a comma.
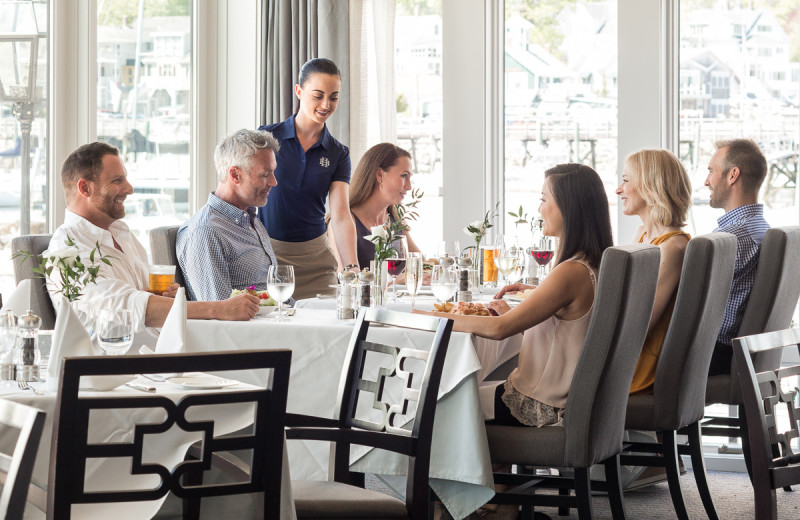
[[312, 167]]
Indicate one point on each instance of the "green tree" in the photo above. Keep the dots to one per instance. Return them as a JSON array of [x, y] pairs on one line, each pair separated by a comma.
[[113, 12], [401, 103], [418, 7]]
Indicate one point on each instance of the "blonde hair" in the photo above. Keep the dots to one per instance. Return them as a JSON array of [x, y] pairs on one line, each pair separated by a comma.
[[661, 180]]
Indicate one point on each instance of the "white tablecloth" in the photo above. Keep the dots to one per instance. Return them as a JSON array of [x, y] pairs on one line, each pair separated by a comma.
[[491, 354], [460, 466], [168, 449]]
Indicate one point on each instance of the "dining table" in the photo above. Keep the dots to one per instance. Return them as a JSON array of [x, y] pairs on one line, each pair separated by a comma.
[[117, 426], [460, 469]]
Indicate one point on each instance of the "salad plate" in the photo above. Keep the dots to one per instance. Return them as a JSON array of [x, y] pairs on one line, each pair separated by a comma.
[[202, 382], [266, 309]]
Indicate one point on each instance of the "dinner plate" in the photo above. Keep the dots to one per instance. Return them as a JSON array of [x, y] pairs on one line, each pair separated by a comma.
[[513, 297], [202, 382], [266, 309]]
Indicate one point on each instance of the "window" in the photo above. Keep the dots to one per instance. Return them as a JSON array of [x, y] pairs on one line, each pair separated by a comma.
[[418, 86], [23, 125], [144, 109], [560, 97]]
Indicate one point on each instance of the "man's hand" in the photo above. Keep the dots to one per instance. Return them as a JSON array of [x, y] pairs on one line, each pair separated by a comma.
[[514, 287], [241, 307], [171, 291]]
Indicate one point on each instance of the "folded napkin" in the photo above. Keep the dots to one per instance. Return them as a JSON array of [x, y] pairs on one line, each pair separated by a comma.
[[19, 301], [71, 339], [172, 339]]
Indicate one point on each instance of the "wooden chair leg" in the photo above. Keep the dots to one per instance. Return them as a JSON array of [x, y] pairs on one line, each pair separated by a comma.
[[614, 488], [673, 473], [745, 439], [563, 510], [583, 493], [699, 468]]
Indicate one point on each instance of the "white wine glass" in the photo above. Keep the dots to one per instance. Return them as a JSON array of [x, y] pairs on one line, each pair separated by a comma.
[[413, 275], [507, 258], [449, 248], [396, 264], [114, 329], [280, 285], [443, 282]]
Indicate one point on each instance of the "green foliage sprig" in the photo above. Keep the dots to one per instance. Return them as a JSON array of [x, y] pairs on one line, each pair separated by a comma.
[[383, 236], [477, 230]]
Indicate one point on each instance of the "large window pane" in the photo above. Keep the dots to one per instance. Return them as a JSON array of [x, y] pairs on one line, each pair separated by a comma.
[[23, 126], [560, 97], [739, 77], [418, 77], [143, 104]]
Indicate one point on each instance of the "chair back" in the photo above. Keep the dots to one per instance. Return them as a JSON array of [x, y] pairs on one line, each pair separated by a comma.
[[17, 467], [72, 447], [594, 416], [162, 250], [774, 462], [414, 442], [682, 372], [772, 300], [41, 304]]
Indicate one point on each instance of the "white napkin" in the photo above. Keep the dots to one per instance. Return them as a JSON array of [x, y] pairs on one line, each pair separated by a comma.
[[71, 339], [19, 301], [172, 339]]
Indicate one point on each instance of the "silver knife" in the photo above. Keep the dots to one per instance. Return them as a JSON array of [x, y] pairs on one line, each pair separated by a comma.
[[142, 388]]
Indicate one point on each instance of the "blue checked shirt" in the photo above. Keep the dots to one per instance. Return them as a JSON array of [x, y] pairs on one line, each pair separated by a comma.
[[748, 224], [222, 248]]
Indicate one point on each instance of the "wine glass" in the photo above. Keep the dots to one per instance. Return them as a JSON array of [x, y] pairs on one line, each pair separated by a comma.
[[8, 332], [280, 285], [413, 275], [543, 253], [443, 282], [396, 264], [507, 258], [114, 329]]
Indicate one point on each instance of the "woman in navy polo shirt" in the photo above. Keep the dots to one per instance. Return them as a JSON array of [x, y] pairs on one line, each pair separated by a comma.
[[312, 166]]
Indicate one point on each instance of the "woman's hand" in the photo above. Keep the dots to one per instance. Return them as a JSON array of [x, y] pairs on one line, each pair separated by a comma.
[[499, 306], [514, 287]]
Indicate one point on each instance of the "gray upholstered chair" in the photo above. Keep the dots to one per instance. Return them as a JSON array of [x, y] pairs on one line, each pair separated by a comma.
[[771, 306], [162, 249], [41, 304], [765, 399], [594, 417], [678, 399], [17, 467]]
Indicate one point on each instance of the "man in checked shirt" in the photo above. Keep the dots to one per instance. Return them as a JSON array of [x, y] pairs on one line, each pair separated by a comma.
[[224, 246], [735, 175]]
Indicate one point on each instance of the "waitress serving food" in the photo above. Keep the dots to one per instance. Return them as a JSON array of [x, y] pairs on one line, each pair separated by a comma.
[[312, 166]]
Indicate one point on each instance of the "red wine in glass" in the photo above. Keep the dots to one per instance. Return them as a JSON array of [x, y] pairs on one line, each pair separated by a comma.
[[542, 257], [395, 266]]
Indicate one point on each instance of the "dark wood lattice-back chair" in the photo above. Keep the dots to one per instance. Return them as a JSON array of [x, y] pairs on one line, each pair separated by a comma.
[[343, 495], [766, 395], [71, 447], [16, 467]]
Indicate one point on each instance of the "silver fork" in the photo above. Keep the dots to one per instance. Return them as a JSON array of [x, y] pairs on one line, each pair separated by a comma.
[[23, 385]]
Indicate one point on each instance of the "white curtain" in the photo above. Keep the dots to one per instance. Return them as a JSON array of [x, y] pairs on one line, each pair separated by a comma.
[[372, 87]]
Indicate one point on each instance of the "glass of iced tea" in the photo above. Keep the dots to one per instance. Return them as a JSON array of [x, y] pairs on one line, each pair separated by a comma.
[[161, 277]]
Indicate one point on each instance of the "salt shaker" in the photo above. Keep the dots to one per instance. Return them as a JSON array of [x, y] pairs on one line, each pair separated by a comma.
[[464, 271], [28, 353], [346, 300], [365, 279]]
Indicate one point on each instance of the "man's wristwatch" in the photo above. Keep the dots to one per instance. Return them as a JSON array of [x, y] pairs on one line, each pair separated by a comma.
[[351, 266]]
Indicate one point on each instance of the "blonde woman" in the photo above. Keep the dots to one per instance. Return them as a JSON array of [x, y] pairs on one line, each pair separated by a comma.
[[655, 187], [381, 180]]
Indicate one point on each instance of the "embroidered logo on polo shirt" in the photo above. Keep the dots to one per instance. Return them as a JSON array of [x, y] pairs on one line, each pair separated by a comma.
[[324, 162]]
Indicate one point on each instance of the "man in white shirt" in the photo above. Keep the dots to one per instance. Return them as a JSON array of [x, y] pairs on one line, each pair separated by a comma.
[[96, 185]]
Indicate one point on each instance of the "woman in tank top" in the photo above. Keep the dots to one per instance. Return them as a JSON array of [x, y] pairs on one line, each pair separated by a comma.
[[655, 187], [380, 181], [555, 317]]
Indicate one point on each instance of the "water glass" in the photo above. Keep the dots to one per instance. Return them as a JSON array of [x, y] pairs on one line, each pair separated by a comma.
[[443, 282], [280, 285], [8, 331], [449, 248], [114, 329]]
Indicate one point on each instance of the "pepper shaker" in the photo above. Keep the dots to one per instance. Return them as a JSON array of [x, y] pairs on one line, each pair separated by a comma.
[[365, 279], [28, 353], [464, 271]]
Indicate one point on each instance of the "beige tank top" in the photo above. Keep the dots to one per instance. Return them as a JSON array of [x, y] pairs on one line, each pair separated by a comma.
[[549, 355]]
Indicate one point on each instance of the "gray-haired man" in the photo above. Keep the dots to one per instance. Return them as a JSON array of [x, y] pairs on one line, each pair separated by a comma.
[[224, 246]]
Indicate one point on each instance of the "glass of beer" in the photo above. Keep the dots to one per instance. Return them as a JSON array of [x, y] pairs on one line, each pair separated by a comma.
[[161, 277]]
